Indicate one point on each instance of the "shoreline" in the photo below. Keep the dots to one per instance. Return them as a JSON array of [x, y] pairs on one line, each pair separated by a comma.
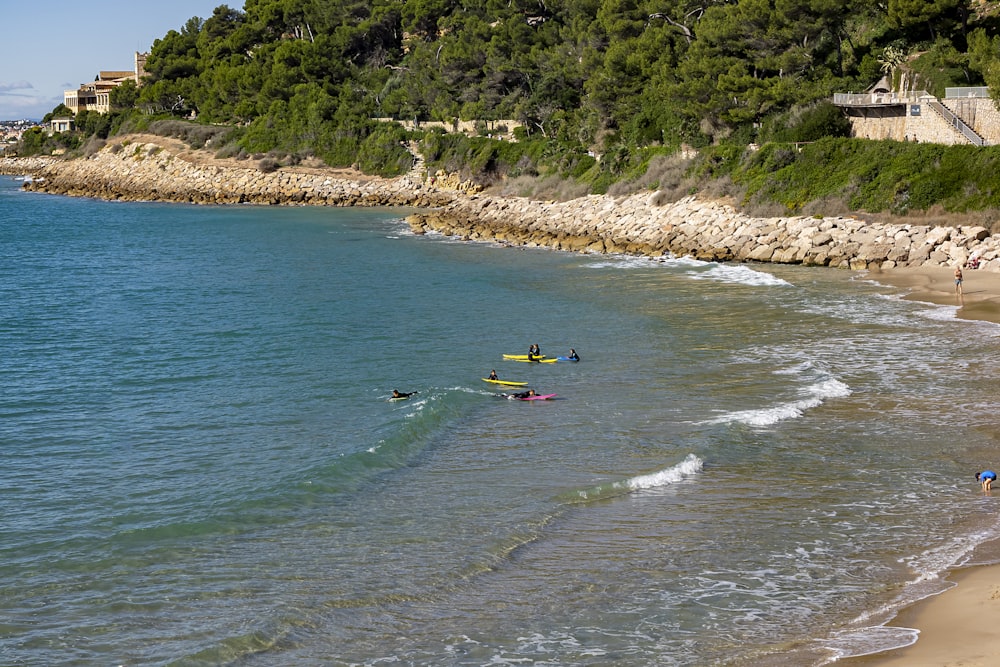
[[150, 168], [980, 298], [957, 627]]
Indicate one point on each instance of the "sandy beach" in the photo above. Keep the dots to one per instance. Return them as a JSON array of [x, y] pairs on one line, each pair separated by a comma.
[[980, 298], [958, 628]]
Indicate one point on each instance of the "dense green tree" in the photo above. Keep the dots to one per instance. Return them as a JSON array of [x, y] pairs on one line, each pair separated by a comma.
[[614, 77], [125, 95], [60, 111], [930, 14]]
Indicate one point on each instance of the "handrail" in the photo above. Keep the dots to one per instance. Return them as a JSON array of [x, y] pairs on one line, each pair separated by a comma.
[[966, 92], [957, 123], [870, 99]]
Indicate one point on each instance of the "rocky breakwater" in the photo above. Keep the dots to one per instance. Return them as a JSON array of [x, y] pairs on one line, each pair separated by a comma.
[[24, 166], [147, 172], [642, 224], [639, 224]]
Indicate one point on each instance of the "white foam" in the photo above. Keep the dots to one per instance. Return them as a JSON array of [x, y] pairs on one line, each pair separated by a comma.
[[815, 395], [796, 369], [928, 567], [739, 274], [689, 466], [638, 262], [623, 262]]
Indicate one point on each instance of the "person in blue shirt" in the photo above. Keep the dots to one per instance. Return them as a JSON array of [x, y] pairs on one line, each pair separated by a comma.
[[986, 478]]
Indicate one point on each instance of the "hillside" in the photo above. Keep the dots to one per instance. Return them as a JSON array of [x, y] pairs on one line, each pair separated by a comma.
[[600, 88]]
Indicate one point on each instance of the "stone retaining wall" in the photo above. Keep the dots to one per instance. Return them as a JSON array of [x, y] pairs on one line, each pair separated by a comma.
[[981, 114], [639, 224]]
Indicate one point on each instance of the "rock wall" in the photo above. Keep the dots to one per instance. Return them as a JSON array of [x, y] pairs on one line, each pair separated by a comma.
[[706, 230], [640, 224], [147, 172], [24, 166], [878, 123]]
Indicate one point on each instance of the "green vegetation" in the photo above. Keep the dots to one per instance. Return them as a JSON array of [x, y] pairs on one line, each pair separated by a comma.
[[603, 91], [865, 175]]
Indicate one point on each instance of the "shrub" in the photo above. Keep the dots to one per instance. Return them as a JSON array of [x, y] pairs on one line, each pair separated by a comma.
[[268, 165]]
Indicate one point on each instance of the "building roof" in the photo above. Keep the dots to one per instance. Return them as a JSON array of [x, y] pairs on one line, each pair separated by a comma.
[[884, 85], [114, 74]]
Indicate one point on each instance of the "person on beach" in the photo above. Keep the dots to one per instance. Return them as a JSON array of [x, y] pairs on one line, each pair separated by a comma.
[[958, 280], [493, 375], [986, 478]]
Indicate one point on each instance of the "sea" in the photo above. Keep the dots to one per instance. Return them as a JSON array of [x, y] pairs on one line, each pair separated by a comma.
[[751, 464]]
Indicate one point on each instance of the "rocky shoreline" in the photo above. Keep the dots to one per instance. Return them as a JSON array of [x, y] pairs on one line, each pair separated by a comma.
[[640, 224]]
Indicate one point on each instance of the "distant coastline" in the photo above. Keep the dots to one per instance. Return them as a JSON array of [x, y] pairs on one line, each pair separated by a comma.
[[148, 168]]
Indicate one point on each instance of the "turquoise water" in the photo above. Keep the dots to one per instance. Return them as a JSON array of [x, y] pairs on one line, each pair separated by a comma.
[[751, 464]]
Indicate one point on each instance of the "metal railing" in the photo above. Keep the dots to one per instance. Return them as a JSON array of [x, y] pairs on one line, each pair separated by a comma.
[[957, 123], [975, 91], [876, 99]]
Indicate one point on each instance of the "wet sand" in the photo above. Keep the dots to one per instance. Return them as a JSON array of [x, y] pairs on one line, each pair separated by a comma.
[[958, 628], [980, 298]]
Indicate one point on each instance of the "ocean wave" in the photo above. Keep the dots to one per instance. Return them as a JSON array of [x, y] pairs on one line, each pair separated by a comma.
[[625, 262], [690, 466], [814, 396], [739, 274], [939, 313]]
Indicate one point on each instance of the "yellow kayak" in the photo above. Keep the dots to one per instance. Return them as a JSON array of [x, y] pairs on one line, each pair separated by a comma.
[[537, 360]]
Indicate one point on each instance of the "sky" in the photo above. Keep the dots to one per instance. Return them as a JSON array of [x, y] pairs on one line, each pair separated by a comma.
[[49, 47]]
